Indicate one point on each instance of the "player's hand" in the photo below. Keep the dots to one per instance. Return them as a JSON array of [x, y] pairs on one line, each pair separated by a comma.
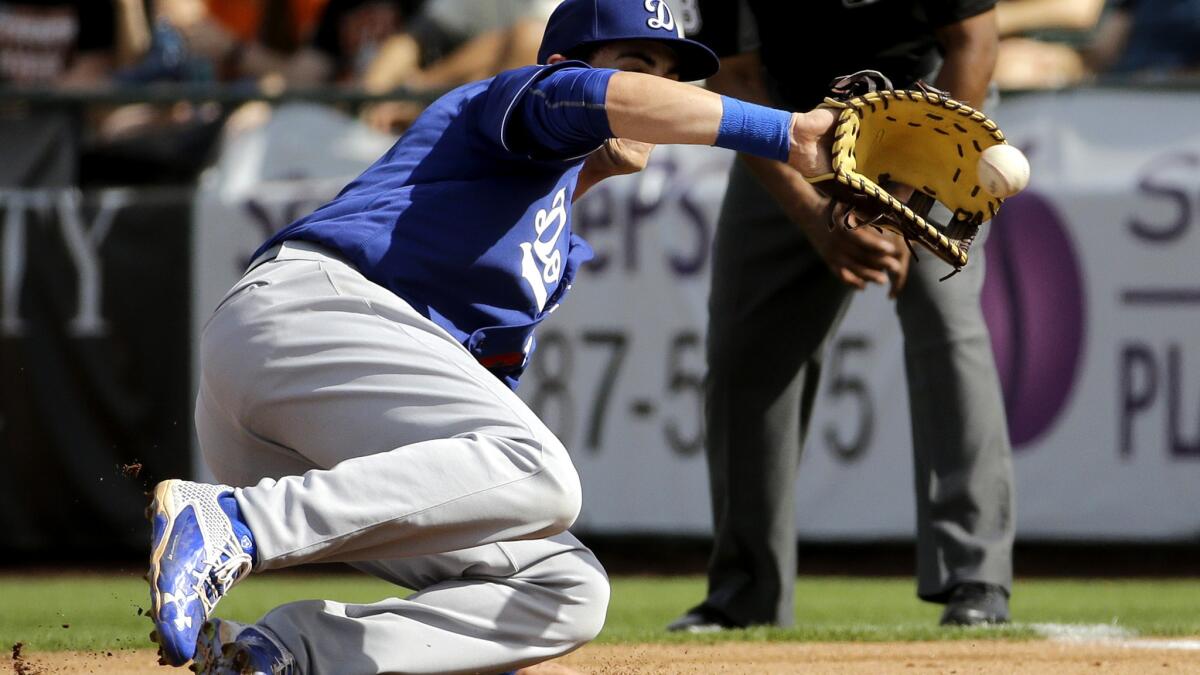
[[812, 140]]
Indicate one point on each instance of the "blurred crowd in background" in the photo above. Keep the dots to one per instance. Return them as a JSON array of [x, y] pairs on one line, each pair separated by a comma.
[[420, 47]]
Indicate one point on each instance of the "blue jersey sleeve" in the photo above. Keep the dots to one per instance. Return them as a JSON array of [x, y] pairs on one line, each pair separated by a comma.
[[548, 112]]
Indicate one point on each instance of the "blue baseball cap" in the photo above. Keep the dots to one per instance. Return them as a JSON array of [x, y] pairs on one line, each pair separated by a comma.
[[581, 23]]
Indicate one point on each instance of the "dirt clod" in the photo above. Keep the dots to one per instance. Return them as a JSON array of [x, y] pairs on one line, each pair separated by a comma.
[[21, 664]]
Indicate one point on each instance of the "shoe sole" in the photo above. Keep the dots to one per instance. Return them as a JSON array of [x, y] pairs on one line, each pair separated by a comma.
[[971, 618], [212, 646], [208, 649], [162, 504], [973, 623]]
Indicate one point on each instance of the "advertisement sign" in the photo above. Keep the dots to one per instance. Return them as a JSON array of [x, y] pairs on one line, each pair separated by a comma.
[[94, 342], [1092, 298]]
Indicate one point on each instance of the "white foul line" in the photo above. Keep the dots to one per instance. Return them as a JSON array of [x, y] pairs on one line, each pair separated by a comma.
[[1107, 634]]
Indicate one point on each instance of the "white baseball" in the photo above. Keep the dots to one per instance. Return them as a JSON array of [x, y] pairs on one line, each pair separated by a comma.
[[1003, 170]]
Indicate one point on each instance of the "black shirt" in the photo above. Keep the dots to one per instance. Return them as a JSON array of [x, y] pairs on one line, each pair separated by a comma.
[[805, 44]]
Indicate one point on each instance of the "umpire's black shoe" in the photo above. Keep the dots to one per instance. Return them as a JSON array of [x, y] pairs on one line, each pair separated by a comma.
[[701, 619], [976, 604]]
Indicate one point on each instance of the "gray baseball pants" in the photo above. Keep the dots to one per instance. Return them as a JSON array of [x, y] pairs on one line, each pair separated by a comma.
[[773, 307], [359, 431]]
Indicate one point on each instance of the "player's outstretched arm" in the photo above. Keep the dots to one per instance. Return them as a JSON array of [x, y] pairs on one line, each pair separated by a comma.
[[657, 110], [564, 110]]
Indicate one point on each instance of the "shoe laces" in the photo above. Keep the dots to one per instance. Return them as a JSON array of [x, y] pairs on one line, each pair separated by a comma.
[[283, 666], [220, 571]]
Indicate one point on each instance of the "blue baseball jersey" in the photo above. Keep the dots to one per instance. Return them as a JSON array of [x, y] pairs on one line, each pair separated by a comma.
[[468, 216]]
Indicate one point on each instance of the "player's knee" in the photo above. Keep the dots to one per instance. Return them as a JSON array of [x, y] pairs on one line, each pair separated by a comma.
[[584, 615], [547, 497], [564, 495]]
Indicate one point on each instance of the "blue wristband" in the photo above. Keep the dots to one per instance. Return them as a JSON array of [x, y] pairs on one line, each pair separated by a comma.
[[754, 129]]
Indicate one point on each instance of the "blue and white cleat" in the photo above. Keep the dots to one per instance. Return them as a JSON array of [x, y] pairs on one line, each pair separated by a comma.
[[195, 558], [229, 648]]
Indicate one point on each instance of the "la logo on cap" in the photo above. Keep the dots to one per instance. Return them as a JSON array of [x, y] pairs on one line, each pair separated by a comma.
[[662, 19]]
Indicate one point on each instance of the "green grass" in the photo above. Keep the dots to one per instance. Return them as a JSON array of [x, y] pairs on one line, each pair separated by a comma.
[[845, 609], [102, 611]]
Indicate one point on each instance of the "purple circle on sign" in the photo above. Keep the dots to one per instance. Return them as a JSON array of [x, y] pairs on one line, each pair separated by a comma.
[[1033, 303]]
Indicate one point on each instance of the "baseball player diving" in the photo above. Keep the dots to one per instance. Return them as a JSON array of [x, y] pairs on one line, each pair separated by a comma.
[[356, 383]]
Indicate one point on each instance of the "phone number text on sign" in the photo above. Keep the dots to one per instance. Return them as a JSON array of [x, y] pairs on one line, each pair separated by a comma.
[[585, 409]]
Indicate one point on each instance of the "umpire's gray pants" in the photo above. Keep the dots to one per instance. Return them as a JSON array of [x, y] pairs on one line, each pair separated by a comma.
[[364, 433], [773, 307]]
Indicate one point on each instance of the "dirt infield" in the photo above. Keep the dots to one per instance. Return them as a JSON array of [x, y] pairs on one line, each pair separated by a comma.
[[874, 658], [776, 658]]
